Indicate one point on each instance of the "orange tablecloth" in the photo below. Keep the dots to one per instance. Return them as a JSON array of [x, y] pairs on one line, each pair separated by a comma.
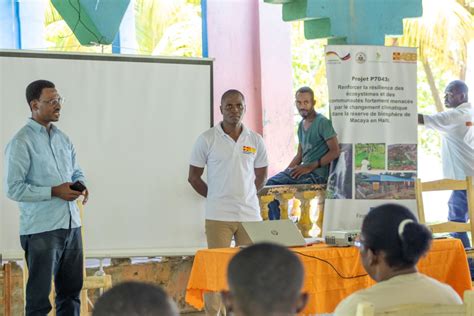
[[446, 262]]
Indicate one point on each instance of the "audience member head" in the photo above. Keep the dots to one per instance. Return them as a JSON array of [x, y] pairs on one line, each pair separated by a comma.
[[304, 101], [456, 93], [135, 299], [392, 241], [265, 279]]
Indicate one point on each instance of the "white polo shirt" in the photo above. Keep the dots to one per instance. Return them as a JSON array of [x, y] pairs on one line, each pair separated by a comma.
[[457, 148], [231, 191]]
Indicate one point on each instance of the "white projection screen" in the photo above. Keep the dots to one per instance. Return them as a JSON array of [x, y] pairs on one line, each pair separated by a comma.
[[133, 121]]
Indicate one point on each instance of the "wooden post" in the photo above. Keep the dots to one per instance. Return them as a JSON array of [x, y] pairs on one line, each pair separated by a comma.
[[7, 289], [84, 310], [419, 201]]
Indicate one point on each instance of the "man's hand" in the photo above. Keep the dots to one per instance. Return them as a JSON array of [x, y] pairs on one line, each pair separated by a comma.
[[63, 191], [194, 178], [300, 170]]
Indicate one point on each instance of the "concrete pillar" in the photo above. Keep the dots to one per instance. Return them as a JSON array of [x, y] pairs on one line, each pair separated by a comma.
[[251, 48]]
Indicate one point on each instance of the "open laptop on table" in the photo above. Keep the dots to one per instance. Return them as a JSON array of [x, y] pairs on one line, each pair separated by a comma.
[[283, 232]]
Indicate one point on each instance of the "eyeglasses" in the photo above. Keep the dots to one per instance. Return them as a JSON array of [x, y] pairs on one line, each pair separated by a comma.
[[54, 101]]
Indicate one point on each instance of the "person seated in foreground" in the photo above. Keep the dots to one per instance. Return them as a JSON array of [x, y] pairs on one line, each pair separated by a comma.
[[135, 299], [265, 279], [391, 243]]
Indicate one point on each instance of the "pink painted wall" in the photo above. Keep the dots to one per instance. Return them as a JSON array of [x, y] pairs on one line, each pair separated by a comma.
[[233, 42], [251, 47], [276, 81]]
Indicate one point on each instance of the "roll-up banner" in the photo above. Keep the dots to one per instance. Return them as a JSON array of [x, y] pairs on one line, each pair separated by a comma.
[[372, 99]]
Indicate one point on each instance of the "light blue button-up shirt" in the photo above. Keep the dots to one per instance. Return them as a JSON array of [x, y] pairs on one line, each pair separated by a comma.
[[35, 161]]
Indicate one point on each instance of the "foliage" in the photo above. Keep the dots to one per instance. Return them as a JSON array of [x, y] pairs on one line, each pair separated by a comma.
[[374, 153], [169, 27], [441, 35], [184, 37], [162, 27], [429, 140], [308, 63]]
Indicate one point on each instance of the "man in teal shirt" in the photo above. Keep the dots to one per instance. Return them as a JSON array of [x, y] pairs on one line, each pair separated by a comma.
[[318, 145]]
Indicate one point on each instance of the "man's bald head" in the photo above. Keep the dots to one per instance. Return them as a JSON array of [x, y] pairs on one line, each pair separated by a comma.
[[456, 93]]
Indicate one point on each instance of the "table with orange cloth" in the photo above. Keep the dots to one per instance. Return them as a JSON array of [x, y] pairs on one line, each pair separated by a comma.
[[446, 261]]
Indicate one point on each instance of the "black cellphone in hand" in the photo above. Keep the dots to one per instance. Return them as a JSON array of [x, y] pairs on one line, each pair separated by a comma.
[[77, 186]]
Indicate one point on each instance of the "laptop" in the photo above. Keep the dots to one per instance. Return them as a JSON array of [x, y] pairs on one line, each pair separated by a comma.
[[283, 232]]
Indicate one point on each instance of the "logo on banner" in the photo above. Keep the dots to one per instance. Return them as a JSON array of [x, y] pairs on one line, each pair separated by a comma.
[[377, 57], [333, 57], [404, 57], [360, 57]]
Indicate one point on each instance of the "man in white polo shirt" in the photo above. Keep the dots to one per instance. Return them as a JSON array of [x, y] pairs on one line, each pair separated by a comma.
[[457, 151], [236, 162]]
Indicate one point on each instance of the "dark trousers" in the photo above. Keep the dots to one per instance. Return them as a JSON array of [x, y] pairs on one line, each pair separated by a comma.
[[458, 213], [285, 177], [457, 205], [57, 254]]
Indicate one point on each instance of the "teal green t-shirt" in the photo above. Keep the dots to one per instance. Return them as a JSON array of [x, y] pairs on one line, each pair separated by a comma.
[[313, 142]]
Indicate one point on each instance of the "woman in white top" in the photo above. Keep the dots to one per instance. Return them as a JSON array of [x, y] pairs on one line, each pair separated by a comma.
[[391, 243]]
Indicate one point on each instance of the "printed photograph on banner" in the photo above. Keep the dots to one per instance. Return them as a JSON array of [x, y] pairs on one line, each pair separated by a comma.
[[385, 186], [340, 175], [369, 157], [402, 156]]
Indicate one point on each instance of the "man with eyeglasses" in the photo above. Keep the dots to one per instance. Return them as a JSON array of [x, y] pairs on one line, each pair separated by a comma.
[[457, 148], [236, 161], [41, 167]]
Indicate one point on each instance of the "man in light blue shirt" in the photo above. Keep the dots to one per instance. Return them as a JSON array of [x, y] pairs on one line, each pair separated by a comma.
[[40, 169]]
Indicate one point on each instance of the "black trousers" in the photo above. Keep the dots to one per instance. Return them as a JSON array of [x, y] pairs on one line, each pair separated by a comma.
[[57, 254]]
